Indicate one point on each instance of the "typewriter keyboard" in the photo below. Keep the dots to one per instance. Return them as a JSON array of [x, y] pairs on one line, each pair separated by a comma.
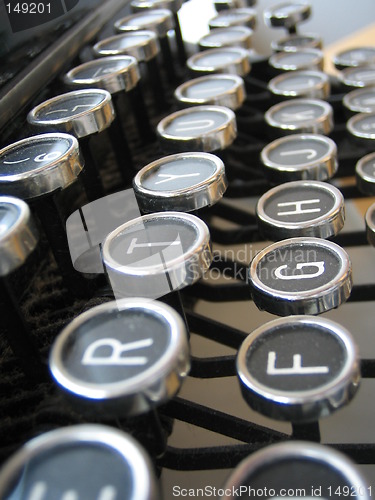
[[186, 264]]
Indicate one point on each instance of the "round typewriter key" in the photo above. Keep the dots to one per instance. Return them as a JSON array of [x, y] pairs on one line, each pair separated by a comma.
[[232, 60], [294, 60], [222, 90], [298, 368], [18, 240], [182, 182], [363, 76], [122, 358], [156, 254], [353, 58], [234, 17], [297, 41], [313, 84], [232, 4], [300, 157], [117, 75], [365, 174], [370, 224], [300, 276], [301, 208], [174, 6], [81, 461], [238, 36], [300, 115], [301, 465], [36, 169], [81, 113], [362, 127], [202, 128], [287, 15], [144, 46], [160, 21], [360, 100]]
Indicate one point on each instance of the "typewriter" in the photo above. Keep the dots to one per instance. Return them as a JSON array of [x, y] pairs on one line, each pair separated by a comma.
[[198, 154]]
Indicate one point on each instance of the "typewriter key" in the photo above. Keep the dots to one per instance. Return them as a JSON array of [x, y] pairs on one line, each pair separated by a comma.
[[202, 128], [294, 60], [160, 21], [313, 84], [300, 157], [156, 254], [235, 36], [232, 60], [296, 41], [221, 90], [234, 17], [314, 469], [287, 15], [363, 76], [81, 461], [301, 208], [37, 169], [183, 182], [232, 4], [117, 75], [81, 113], [144, 46], [360, 100], [353, 58], [300, 115], [361, 126], [121, 358], [299, 368], [300, 276], [174, 6], [365, 174], [18, 240], [370, 224]]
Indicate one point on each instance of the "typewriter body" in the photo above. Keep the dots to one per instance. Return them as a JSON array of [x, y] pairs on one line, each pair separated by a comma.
[[207, 411]]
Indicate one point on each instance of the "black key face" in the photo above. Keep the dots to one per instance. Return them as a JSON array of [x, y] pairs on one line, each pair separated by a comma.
[[298, 82], [225, 36], [298, 151], [296, 357], [115, 348], [298, 42], [208, 87], [300, 276], [363, 125], [66, 469], [182, 173], [301, 209], [33, 154], [196, 123], [361, 101], [299, 473], [299, 268], [297, 469], [298, 58], [218, 58], [152, 242], [365, 169], [297, 114], [359, 77], [234, 17], [144, 19], [102, 68], [81, 461], [70, 105], [355, 57]]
